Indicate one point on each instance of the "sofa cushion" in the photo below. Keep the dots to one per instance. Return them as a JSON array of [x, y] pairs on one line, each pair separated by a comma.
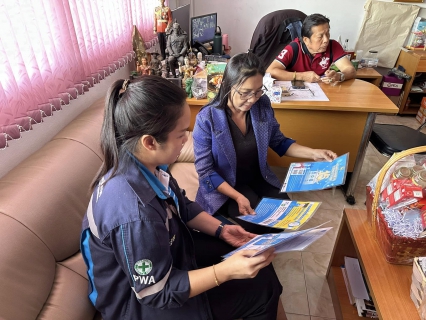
[[187, 177], [187, 152], [27, 270], [49, 192], [71, 287], [76, 264], [183, 170]]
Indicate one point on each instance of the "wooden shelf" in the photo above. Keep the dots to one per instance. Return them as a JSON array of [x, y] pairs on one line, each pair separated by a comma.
[[389, 284], [413, 105], [413, 62], [336, 277], [369, 75]]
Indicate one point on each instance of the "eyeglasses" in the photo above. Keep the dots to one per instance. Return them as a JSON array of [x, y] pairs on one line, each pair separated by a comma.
[[248, 95]]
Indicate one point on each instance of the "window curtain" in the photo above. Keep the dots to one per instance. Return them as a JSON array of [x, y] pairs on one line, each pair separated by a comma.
[[52, 51]]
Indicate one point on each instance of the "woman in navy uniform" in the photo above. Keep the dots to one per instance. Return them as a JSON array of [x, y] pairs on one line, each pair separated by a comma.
[[136, 238]]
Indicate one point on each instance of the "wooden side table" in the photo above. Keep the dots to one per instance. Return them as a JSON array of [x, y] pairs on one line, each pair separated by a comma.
[[369, 75], [389, 284]]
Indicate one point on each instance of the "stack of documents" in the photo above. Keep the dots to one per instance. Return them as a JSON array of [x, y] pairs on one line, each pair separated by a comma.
[[357, 289], [291, 215], [283, 242]]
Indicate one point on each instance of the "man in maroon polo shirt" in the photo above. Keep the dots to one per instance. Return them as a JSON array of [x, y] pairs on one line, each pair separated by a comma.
[[309, 58]]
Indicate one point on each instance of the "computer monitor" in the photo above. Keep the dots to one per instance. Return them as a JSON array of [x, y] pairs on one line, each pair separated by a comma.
[[182, 15], [203, 28]]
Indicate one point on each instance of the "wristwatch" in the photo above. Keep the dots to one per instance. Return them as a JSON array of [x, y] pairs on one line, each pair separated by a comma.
[[219, 230], [342, 76]]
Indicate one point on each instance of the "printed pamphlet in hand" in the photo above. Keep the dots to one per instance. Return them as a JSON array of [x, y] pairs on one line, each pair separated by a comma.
[[282, 214], [283, 242], [311, 176]]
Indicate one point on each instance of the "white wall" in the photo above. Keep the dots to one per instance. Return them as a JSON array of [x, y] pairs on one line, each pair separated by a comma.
[[238, 18], [42, 133]]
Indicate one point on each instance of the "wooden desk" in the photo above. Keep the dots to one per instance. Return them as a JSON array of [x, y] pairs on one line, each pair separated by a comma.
[[369, 75], [342, 124], [389, 284]]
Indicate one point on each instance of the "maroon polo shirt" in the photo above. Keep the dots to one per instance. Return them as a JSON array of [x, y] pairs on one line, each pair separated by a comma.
[[306, 62]]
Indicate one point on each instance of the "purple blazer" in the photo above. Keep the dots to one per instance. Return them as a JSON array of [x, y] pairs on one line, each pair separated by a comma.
[[215, 157]]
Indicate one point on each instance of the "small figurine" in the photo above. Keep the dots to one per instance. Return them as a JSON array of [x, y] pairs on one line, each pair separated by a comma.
[[187, 70], [199, 57], [160, 65], [164, 71], [177, 46], [188, 87], [192, 58], [144, 68], [155, 64]]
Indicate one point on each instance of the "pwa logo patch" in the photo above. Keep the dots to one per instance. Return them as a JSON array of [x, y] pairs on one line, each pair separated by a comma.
[[144, 279], [143, 267]]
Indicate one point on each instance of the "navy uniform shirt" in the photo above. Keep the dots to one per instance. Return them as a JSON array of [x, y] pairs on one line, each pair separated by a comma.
[[138, 250]]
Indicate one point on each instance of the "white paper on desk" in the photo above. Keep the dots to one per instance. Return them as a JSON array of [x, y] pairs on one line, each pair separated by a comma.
[[356, 281], [313, 92]]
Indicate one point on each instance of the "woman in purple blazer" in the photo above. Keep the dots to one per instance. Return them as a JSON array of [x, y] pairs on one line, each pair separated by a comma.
[[231, 139]]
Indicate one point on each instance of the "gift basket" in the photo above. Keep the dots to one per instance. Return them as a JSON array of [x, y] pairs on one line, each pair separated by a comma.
[[396, 202]]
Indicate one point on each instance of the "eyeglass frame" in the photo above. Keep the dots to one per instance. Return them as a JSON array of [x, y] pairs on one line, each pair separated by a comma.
[[251, 94]]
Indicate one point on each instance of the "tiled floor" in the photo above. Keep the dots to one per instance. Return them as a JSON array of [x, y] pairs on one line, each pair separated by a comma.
[[306, 295]]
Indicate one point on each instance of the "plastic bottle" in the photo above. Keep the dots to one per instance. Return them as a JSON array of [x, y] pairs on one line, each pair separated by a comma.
[[346, 45], [359, 56], [276, 92], [372, 59], [225, 41]]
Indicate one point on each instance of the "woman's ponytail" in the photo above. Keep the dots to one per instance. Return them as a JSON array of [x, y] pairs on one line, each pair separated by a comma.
[[110, 140]]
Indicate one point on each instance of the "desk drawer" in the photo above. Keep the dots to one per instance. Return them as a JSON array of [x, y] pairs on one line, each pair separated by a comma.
[[422, 66]]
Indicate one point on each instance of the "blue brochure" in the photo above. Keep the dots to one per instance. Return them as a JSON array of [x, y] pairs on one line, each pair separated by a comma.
[[283, 242], [310, 176], [283, 214]]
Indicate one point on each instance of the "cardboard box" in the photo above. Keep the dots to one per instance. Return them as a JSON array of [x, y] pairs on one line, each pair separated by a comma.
[[421, 114], [418, 288], [420, 118], [419, 278], [392, 86], [394, 185], [423, 105], [404, 193]]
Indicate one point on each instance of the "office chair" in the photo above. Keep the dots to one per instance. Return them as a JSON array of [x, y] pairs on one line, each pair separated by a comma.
[[272, 34], [391, 138]]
